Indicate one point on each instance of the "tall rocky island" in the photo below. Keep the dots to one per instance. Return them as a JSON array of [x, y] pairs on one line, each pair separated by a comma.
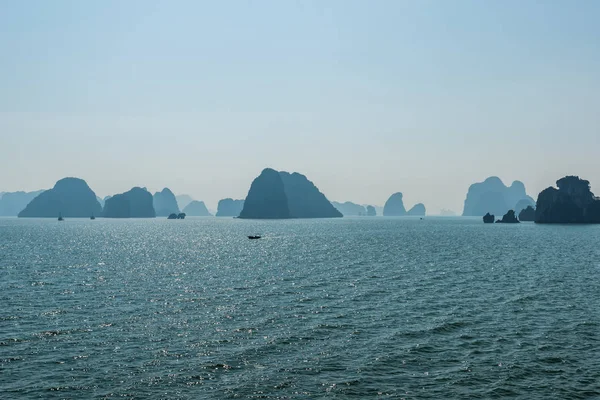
[[278, 195], [229, 207], [494, 197], [165, 203], [394, 207], [196, 209], [572, 203], [136, 203], [70, 197]]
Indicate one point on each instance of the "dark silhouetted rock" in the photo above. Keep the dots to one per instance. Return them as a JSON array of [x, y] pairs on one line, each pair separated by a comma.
[[371, 211], [72, 197], [572, 202], [229, 208], [394, 206], [183, 200], [12, 203], [349, 209], [527, 214], [417, 210], [181, 216], [493, 196], [165, 203], [523, 204], [304, 198], [266, 198], [136, 203], [276, 195], [488, 218], [172, 216], [196, 209], [509, 218]]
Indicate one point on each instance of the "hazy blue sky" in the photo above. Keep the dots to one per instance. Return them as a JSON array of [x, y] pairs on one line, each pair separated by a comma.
[[366, 98]]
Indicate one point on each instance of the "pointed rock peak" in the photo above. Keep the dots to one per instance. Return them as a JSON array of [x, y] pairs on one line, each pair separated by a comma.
[[394, 206], [275, 195], [70, 196], [494, 179], [70, 182]]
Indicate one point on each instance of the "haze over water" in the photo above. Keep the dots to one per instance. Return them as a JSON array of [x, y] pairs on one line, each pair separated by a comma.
[[340, 308]]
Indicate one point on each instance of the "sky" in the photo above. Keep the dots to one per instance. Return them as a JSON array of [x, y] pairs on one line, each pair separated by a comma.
[[366, 98]]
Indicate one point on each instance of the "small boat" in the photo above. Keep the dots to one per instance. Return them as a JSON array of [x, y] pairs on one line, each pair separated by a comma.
[[92, 217], [60, 218], [254, 237]]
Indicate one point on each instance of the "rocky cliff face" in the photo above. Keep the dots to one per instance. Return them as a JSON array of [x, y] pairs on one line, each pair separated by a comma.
[[523, 204], [349, 209], [394, 206], [275, 195], [71, 197], [196, 209], [165, 203], [371, 211], [266, 198], [572, 202], [12, 203], [229, 207], [493, 196], [509, 218], [136, 203], [417, 210], [488, 218], [527, 214]]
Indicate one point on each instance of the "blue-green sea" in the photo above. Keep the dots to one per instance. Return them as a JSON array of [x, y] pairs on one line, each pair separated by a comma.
[[358, 308]]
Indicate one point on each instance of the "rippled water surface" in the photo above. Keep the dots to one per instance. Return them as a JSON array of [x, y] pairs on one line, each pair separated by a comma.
[[347, 308]]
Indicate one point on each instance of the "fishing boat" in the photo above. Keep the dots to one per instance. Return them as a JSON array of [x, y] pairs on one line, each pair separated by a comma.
[[254, 237], [92, 217], [60, 218]]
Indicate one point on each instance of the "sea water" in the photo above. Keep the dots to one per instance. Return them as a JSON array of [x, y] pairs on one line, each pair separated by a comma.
[[343, 308]]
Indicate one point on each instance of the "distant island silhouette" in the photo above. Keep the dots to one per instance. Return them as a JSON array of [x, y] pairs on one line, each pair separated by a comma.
[[417, 210], [394, 207], [71, 197], [196, 209], [183, 200], [135, 203], [494, 197], [165, 203], [280, 195], [447, 213], [349, 208], [12, 203], [371, 211], [229, 207]]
